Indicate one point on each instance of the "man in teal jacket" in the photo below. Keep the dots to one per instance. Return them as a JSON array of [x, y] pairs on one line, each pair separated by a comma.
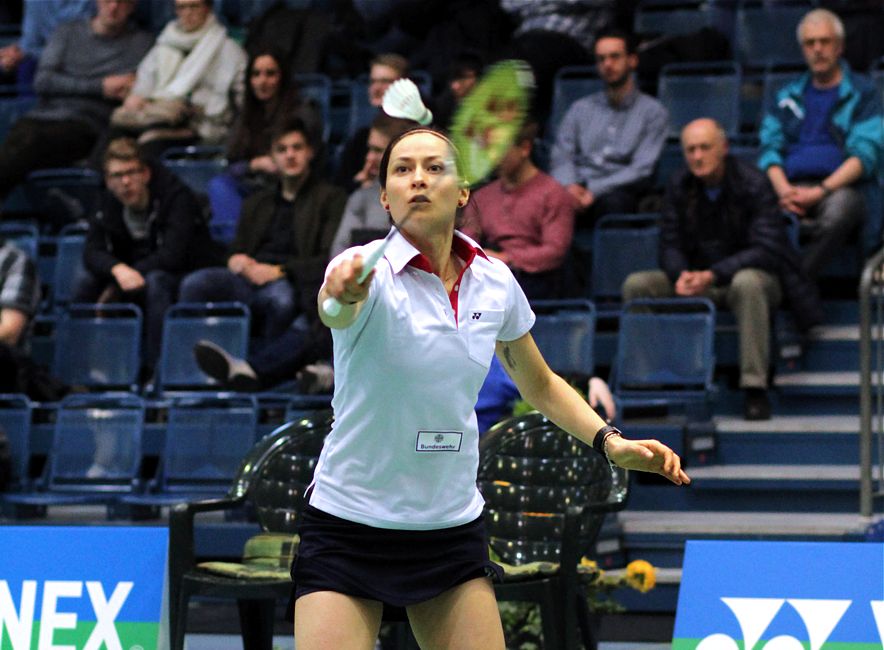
[[821, 146]]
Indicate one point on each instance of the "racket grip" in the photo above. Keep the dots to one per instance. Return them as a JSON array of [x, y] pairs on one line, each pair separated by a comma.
[[331, 306]]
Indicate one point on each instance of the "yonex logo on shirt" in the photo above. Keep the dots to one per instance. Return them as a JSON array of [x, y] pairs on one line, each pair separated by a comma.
[[477, 315]]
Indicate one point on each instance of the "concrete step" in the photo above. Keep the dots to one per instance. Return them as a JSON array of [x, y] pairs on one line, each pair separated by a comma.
[[754, 488], [793, 439]]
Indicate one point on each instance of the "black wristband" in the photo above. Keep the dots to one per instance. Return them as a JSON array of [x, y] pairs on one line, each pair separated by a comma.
[[598, 443]]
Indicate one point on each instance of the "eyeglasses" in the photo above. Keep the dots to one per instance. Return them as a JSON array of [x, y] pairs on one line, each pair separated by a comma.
[[189, 6], [123, 173]]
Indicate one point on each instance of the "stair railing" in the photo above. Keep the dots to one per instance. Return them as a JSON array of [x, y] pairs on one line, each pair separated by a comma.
[[871, 364]]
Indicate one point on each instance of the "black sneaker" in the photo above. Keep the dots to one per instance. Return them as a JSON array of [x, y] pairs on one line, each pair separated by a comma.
[[757, 404], [231, 373]]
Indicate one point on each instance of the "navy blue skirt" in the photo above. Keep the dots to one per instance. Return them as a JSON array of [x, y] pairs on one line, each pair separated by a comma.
[[395, 567]]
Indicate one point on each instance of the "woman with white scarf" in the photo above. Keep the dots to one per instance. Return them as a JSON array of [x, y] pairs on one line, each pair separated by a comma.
[[193, 68]]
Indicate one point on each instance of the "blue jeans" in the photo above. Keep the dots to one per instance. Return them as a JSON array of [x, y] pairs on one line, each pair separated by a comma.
[[272, 305], [225, 197]]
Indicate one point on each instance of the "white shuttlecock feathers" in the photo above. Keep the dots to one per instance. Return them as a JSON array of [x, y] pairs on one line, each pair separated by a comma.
[[403, 100]]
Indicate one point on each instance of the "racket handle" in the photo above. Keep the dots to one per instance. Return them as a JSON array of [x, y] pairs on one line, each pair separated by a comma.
[[331, 306]]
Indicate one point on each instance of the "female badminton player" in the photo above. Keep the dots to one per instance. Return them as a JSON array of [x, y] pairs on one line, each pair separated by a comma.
[[394, 515]]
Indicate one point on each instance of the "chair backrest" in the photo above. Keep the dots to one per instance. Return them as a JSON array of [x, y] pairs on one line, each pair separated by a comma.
[[64, 195], [15, 420], [565, 333], [68, 266], [96, 446], [301, 406], [670, 161], [318, 87], [195, 166], [665, 349], [225, 324], [570, 84], [765, 32], [207, 438], [11, 109], [672, 20], [276, 473], [693, 90], [23, 234], [99, 346], [530, 473], [622, 244]]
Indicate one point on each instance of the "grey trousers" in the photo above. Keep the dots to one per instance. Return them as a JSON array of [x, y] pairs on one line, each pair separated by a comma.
[[752, 295], [827, 227]]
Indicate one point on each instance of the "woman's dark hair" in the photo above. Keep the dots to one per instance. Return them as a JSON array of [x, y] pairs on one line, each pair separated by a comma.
[[251, 131], [385, 159]]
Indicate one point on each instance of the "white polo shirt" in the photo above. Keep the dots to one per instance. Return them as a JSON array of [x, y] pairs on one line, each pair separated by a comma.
[[403, 451]]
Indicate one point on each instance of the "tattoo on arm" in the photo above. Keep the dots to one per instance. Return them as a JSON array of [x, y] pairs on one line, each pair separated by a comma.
[[508, 355]]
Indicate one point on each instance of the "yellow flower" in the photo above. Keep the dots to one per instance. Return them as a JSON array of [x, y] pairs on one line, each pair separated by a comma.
[[641, 575], [590, 564]]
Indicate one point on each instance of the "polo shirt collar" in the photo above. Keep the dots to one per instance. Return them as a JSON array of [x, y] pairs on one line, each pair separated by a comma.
[[400, 253]]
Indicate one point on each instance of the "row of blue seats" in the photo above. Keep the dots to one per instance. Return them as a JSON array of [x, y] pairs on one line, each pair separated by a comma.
[[97, 451], [113, 447]]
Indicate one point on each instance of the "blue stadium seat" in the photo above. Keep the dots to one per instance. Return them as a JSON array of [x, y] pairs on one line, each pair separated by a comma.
[[23, 234], [301, 406], [570, 84], [206, 439], [11, 109], [674, 20], [195, 165], [15, 421], [665, 353], [64, 195], [95, 454], [99, 346], [693, 90], [68, 262], [766, 32], [318, 87], [565, 333], [226, 324], [622, 244], [671, 160]]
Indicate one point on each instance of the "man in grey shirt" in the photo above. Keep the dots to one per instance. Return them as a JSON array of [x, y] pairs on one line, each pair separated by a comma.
[[608, 143], [86, 69]]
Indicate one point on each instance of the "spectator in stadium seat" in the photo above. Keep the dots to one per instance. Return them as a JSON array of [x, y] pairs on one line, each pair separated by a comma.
[[86, 69], [463, 75], [189, 85], [364, 211], [278, 256], [723, 237], [271, 95], [383, 71], [525, 219], [608, 143], [41, 17], [821, 146], [148, 232], [19, 302]]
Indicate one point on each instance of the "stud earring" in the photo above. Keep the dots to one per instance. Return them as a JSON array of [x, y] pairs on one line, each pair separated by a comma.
[[386, 207]]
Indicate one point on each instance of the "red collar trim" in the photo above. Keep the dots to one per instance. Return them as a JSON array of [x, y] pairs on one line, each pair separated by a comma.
[[461, 247]]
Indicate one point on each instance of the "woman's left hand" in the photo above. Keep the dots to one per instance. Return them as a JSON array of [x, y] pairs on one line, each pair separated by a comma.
[[647, 456]]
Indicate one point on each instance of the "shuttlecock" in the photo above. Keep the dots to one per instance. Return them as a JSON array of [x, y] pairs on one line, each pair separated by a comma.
[[403, 100]]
